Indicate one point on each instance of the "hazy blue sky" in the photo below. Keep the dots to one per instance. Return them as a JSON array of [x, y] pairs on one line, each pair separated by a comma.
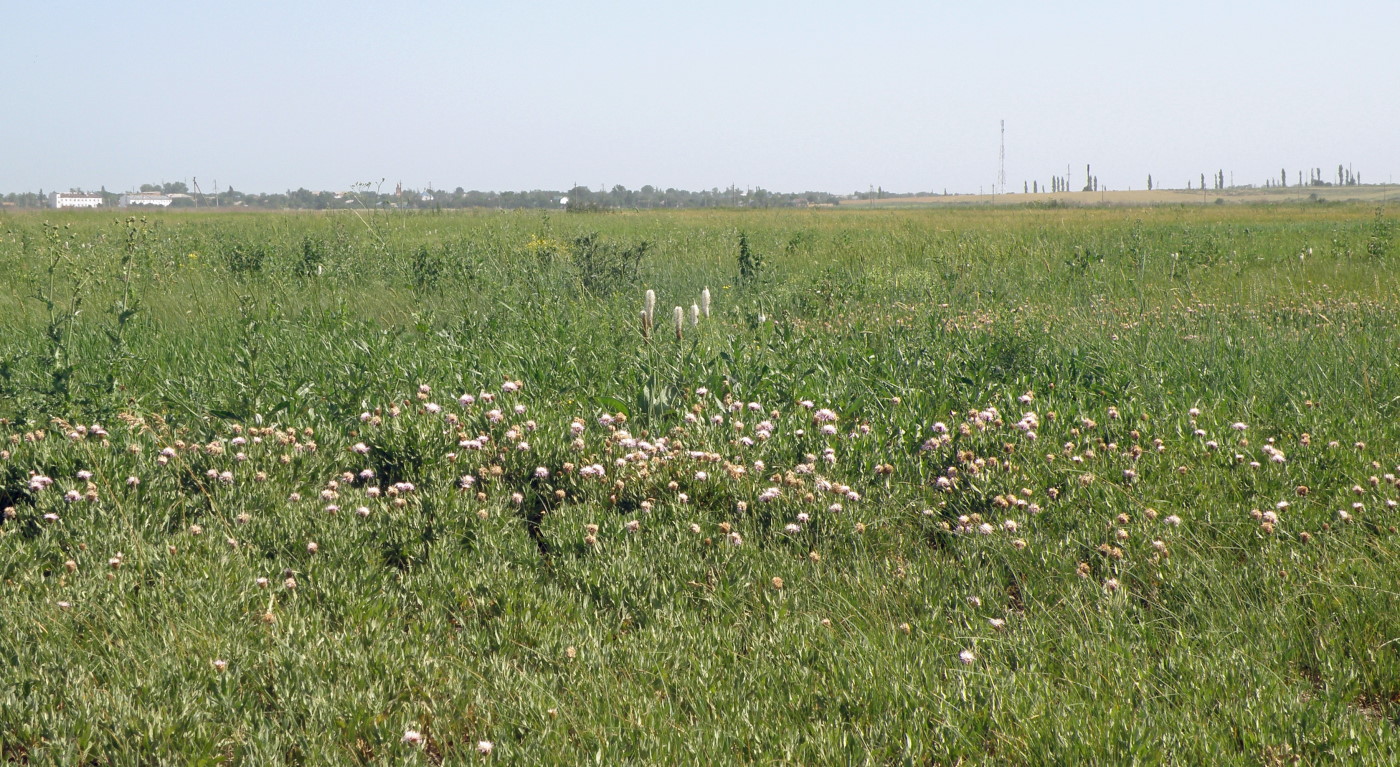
[[816, 95]]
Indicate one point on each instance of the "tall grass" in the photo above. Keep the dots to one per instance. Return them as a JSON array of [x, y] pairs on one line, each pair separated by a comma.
[[526, 609]]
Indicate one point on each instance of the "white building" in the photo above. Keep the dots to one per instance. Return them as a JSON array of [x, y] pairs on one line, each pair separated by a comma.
[[74, 200], [155, 199]]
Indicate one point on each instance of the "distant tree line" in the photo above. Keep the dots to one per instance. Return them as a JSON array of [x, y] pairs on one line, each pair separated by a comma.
[[581, 198], [361, 196]]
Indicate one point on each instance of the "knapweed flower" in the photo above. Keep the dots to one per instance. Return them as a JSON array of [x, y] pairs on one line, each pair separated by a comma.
[[413, 737], [485, 747], [967, 657]]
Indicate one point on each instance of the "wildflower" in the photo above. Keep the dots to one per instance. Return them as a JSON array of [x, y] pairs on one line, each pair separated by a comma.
[[65, 605], [361, 448], [967, 657], [1110, 585], [485, 747], [633, 526], [312, 548], [1173, 520], [997, 623], [220, 665], [735, 539], [261, 583], [777, 583], [412, 737]]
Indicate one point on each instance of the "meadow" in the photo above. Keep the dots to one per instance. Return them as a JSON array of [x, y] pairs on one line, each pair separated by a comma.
[[980, 486]]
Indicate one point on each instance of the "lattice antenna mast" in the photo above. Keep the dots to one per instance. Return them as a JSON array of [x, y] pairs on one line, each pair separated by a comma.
[[1001, 171]]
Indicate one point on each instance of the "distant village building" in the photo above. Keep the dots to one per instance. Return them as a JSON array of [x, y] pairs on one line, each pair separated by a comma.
[[155, 199], [74, 200]]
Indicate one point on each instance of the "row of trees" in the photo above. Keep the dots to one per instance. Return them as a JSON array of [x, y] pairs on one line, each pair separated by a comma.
[[583, 198], [365, 196]]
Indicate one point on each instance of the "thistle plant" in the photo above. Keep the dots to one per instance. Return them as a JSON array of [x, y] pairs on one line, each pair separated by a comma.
[[61, 308]]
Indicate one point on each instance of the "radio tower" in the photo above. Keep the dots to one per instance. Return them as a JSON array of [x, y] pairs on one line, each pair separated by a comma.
[[1001, 172]]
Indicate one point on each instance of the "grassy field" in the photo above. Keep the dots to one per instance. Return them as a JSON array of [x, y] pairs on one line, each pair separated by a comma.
[[1056, 486]]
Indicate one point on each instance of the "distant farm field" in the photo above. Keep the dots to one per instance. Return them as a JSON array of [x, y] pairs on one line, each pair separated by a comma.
[[932, 486], [1377, 194]]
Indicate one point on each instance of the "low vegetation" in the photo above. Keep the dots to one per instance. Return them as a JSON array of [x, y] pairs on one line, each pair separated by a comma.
[[887, 487]]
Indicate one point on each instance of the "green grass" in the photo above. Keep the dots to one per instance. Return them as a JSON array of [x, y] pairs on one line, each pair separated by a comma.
[[494, 612]]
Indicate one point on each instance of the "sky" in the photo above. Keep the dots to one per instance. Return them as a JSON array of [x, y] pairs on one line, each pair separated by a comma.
[[788, 96]]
